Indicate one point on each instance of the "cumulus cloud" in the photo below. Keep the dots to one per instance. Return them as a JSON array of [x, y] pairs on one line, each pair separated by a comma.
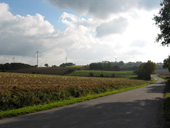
[[104, 8], [22, 35], [116, 26]]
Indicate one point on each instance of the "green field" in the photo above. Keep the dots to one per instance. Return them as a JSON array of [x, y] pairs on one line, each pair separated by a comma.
[[117, 74]]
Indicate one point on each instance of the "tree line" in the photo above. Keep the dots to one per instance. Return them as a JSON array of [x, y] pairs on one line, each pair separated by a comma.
[[118, 66], [14, 66]]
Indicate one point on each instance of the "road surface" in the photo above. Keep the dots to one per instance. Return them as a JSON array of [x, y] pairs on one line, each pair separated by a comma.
[[139, 108]]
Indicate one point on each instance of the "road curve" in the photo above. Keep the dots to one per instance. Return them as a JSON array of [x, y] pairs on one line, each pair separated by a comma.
[[138, 108]]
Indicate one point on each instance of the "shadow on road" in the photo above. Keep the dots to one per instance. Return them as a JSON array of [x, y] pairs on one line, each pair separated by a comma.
[[138, 114]]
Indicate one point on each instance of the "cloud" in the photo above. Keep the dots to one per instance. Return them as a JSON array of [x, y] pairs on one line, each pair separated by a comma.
[[22, 35], [116, 26], [138, 43], [149, 4], [104, 8], [122, 35], [5, 15]]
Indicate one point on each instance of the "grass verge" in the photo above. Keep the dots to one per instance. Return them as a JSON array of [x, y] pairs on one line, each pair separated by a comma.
[[167, 102], [70, 100]]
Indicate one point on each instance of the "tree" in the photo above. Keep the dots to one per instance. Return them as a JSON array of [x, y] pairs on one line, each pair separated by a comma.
[[163, 22], [14, 66], [145, 70], [167, 63], [66, 64], [46, 65]]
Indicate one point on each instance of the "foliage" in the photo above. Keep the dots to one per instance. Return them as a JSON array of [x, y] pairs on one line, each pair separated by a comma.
[[167, 63], [13, 66], [114, 66], [20, 90], [163, 22], [67, 64], [104, 66], [145, 70], [46, 65]]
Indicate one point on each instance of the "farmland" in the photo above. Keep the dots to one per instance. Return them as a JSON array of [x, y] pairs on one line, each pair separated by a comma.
[[46, 70], [20, 90], [97, 73]]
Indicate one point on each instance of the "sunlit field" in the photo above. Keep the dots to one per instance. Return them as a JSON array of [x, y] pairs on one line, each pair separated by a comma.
[[19, 90]]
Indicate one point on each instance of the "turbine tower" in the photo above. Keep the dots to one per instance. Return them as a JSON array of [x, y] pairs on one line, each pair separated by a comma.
[[37, 52]]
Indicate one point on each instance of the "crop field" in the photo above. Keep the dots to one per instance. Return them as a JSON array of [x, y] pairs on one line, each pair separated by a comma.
[[95, 73], [20, 90], [47, 70]]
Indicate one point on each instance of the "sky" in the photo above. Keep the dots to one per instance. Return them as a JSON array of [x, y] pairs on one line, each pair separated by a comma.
[[79, 31]]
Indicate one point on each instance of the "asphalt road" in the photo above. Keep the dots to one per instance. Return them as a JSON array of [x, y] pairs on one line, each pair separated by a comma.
[[139, 108]]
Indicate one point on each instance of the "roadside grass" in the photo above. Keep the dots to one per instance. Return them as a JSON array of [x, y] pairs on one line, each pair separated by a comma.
[[167, 101], [166, 106], [69, 100], [99, 73]]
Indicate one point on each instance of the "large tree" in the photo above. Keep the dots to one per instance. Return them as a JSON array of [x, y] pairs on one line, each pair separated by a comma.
[[163, 22], [146, 69], [167, 63]]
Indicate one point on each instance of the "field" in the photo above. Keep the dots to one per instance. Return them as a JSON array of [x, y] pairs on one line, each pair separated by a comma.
[[47, 70], [117, 74], [20, 90]]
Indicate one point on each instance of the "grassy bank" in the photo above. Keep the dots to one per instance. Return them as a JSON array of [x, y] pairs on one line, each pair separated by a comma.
[[69, 100], [167, 101]]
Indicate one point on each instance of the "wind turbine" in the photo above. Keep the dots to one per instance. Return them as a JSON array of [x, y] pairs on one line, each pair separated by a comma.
[[37, 52]]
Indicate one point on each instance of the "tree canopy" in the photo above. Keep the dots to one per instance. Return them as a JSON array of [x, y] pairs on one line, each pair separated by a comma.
[[167, 63], [66, 64], [145, 70], [163, 22], [14, 66]]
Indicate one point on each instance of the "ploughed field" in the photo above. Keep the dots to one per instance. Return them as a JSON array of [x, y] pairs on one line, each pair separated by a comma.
[[20, 90]]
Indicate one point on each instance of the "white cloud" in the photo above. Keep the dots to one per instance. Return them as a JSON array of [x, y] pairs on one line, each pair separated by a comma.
[[4, 14], [139, 43], [22, 35]]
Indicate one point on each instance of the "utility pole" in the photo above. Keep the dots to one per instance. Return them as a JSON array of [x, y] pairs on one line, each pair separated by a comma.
[[37, 52]]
